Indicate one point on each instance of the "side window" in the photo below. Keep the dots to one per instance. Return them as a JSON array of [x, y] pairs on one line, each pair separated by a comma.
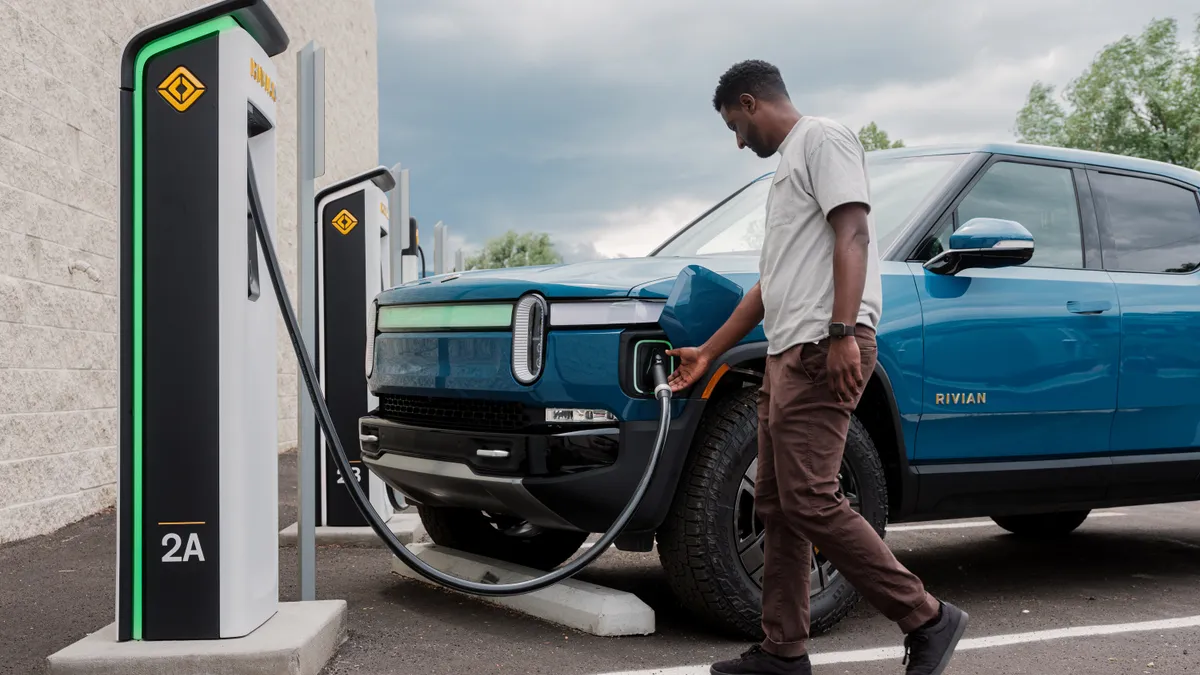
[[1041, 198], [937, 241], [745, 234], [1151, 226]]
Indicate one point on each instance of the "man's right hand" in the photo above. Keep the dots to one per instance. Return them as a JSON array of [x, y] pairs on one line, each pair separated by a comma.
[[695, 361], [693, 364]]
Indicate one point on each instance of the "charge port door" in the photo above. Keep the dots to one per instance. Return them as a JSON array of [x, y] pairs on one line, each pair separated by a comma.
[[699, 304]]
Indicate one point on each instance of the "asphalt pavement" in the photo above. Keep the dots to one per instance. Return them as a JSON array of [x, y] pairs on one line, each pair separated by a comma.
[[1121, 595]]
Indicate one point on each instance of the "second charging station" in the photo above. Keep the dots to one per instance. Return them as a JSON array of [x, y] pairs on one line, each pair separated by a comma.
[[353, 266]]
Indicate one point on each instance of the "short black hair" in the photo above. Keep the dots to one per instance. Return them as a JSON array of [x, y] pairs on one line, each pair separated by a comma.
[[755, 77]]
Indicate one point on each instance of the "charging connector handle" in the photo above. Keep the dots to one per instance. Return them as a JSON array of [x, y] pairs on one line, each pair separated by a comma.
[[359, 496], [658, 368]]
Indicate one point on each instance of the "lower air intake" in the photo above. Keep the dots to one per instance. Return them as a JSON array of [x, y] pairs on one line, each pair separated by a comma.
[[454, 413]]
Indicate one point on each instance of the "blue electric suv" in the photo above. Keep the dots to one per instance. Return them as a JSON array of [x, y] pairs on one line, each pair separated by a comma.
[[1038, 358]]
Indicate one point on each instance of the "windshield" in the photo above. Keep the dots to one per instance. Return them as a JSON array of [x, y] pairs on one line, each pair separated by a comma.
[[898, 186]]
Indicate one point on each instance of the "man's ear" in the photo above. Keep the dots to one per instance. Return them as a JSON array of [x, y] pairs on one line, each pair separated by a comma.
[[749, 103]]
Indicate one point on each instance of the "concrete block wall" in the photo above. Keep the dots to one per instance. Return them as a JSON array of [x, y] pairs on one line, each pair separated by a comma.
[[59, 272]]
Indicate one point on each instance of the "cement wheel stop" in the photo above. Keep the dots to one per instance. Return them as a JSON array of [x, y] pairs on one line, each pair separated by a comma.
[[584, 606]]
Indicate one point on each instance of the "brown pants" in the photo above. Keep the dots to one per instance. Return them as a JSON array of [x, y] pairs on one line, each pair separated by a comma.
[[801, 437]]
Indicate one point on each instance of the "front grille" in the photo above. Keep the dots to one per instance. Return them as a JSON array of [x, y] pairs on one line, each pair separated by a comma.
[[454, 413]]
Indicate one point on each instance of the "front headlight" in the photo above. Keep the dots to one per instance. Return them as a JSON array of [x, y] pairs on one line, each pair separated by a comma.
[[372, 313], [529, 338], [605, 313]]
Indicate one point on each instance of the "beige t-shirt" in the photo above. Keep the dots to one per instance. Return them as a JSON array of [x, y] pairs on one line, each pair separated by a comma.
[[822, 165]]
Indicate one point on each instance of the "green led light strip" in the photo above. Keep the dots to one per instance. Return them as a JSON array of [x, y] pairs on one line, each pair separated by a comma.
[[443, 317], [156, 47]]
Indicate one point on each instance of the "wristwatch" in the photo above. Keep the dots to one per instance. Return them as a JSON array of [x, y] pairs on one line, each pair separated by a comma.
[[839, 330]]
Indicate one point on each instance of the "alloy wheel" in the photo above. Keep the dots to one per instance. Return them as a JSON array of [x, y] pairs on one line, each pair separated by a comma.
[[749, 531]]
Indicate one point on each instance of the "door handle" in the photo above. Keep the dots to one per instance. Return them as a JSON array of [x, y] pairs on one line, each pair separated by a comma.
[[1088, 307]]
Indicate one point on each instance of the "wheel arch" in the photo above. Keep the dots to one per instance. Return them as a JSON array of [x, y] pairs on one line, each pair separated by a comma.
[[878, 412], [738, 367]]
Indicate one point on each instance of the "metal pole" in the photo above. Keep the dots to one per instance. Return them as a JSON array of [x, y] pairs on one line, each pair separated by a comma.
[[310, 163], [458, 260], [405, 259], [318, 110], [397, 229], [397, 242], [439, 248], [403, 218]]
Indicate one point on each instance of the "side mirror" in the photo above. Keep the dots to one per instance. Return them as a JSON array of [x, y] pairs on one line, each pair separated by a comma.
[[986, 243]]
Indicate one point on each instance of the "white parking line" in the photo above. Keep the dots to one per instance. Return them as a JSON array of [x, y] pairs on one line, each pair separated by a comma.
[[886, 653], [963, 525]]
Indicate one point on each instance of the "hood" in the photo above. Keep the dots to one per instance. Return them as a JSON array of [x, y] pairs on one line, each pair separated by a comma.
[[650, 277]]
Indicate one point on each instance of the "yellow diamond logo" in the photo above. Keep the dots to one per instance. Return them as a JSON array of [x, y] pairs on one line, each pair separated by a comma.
[[181, 89], [344, 222]]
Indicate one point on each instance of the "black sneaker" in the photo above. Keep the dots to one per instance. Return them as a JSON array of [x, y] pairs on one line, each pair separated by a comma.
[[928, 649], [756, 661]]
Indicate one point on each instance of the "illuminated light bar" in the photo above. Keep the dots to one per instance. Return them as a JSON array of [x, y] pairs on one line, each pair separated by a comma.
[[605, 313], [480, 316], [372, 317], [578, 415]]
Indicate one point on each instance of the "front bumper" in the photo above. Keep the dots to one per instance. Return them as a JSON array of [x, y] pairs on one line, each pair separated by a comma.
[[577, 480]]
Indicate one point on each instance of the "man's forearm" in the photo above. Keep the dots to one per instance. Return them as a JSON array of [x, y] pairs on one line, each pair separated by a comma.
[[748, 314], [849, 262]]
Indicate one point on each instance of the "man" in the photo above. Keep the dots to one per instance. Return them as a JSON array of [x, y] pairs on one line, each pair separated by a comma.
[[820, 298]]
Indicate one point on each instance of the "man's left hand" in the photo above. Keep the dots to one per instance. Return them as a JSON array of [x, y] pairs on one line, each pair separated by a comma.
[[844, 368]]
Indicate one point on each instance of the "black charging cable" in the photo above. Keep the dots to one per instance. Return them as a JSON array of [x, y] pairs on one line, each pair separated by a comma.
[[662, 392]]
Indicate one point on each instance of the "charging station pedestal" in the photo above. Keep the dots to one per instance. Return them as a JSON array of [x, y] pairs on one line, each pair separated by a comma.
[[197, 512], [353, 266], [198, 498], [353, 254]]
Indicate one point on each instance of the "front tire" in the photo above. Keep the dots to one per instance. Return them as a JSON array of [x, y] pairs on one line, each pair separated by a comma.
[[501, 538], [711, 543], [1043, 525]]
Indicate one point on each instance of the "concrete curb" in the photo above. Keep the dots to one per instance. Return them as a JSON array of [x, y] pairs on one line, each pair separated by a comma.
[[576, 604], [406, 526], [299, 640]]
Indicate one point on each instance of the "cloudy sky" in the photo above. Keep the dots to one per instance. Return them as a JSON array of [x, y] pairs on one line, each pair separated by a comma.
[[592, 120]]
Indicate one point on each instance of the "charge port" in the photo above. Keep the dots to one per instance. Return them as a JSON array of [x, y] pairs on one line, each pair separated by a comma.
[[644, 353]]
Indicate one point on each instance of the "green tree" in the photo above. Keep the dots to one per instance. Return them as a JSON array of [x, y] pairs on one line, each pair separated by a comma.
[[515, 250], [1140, 97], [874, 138]]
